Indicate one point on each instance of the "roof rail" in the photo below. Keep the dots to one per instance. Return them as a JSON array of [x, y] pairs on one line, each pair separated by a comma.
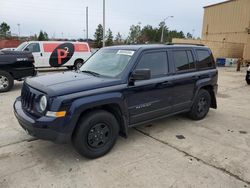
[[170, 43]]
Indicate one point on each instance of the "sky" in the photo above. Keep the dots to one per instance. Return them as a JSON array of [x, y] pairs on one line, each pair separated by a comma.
[[66, 18]]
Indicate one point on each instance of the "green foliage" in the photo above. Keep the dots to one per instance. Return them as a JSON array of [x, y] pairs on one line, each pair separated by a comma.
[[134, 34], [43, 36], [189, 36], [148, 34], [118, 38], [98, 36], [109, 41], [4, 29]]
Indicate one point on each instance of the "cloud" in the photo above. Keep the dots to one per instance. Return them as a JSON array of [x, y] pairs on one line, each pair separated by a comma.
[[65, 17]]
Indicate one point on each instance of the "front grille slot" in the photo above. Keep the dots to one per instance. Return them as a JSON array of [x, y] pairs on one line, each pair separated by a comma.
[[27, 99]]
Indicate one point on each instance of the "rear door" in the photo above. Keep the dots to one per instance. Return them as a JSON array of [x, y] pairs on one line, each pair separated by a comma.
[[149, 99], [184, 79]]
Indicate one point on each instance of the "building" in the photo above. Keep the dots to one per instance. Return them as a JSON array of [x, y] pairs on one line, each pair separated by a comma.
[[228, 22]]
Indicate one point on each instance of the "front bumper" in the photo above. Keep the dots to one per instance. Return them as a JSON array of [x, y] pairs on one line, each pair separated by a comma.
[[40, 128]]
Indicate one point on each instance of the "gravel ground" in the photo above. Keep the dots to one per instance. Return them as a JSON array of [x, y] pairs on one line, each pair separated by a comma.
[[175, 152]]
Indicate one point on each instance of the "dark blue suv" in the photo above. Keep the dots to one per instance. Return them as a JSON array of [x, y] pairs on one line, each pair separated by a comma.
[[118, 88]]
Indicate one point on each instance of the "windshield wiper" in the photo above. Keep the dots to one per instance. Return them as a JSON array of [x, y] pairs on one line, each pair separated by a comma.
[[92, 73]]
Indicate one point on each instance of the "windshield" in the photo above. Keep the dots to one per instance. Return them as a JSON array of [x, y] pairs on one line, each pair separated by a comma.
[[21, 46], [106, 62]]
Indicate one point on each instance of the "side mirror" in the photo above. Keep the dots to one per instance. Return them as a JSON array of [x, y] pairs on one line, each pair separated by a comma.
[[26, 49], [141, 74]]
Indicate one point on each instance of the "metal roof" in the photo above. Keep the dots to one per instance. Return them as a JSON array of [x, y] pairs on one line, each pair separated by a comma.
[[228, 1]]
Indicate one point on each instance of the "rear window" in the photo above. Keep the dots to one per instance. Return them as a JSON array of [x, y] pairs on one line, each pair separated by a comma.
[[205, 59], [184, 60]]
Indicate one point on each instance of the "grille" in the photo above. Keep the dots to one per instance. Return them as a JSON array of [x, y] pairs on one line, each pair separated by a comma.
[[27, 99]]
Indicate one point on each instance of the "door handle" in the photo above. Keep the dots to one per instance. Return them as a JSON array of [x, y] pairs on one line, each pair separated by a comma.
[[196, 77], [167, 83], [41, 54]]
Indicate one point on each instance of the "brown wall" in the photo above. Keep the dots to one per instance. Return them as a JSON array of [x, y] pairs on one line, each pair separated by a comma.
[[219, 49], [246, 55], [11, 43], [227, 21]]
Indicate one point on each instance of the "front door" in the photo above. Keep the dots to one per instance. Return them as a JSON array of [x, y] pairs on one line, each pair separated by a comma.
[[149, 99], [36, 52]]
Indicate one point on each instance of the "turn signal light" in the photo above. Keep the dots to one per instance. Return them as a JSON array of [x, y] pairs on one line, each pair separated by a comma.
[[56, 114]]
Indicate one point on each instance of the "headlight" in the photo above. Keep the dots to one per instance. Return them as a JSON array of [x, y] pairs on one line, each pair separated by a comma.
[[43, 103]]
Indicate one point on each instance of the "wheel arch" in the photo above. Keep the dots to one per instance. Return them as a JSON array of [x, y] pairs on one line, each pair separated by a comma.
[[112, 108], [210, 90]]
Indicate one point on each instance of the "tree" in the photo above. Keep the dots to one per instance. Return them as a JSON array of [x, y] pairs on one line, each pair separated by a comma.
[[43, 36], [110, 38], [118, 38], [149, 34], [46, 36], [189, 36], [98, 36], [4, 29], [134, 34]]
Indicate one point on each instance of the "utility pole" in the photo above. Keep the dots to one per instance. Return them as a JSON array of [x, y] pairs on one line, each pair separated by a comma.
[[84, 31], [104, 23], [18, 25], [193, 31], [163, 27], [87, 23]]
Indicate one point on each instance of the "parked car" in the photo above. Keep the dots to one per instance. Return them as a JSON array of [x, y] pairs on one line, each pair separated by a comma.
[[8, 49], [248, 76], [57, 53], [117, 88], [14, 66]]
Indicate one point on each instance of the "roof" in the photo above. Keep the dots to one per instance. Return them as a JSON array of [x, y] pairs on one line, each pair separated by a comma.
[[228, 1], [152, 46]]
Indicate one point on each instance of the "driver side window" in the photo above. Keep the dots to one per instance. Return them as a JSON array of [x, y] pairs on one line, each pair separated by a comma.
[[33, 47], [156, 62]]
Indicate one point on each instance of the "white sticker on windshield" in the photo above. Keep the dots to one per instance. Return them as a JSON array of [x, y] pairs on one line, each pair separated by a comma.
[[126, 52]]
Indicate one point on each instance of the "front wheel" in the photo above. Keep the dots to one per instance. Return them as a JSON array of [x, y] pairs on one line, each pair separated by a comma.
[[78, 64], [201, 105], [248, 82], [96, 134], [6, 81]]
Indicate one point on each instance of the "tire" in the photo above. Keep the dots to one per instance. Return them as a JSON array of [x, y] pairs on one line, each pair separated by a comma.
[[201, 105], [78, 64], [248, 81], [6, 81], [96, 134], [70, 67]]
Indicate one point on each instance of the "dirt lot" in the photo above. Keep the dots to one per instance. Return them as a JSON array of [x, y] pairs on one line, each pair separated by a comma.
[[214, 152]]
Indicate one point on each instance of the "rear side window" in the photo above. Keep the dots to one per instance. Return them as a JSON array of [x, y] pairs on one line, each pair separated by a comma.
[[183, 60], [157, 62], [205, 59]]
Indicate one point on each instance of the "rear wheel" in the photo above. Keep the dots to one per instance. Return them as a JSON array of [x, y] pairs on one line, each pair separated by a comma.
[[201, 105], [96, 134], [78, 64], [6, 81]]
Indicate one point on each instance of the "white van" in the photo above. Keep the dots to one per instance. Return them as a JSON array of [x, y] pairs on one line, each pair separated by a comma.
[[57, 53]]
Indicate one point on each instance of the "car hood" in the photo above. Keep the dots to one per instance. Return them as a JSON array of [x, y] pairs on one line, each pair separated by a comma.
[[69, 82], [17, 53]]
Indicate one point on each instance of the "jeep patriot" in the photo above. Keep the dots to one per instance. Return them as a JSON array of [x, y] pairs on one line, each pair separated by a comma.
[[117, 88]]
